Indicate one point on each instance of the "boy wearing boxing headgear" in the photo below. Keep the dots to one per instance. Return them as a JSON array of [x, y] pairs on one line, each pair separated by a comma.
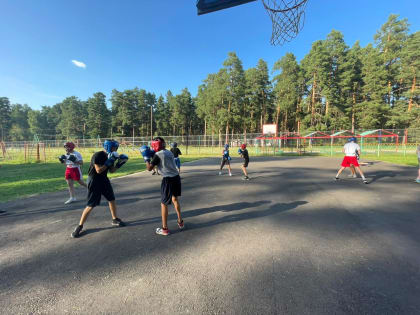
[[244, 154], [73, 161], [225, 160], [99, 184], [351, 149], [170, 188]]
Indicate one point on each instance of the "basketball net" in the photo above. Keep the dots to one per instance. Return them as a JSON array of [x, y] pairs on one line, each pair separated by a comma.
[[287, 17]]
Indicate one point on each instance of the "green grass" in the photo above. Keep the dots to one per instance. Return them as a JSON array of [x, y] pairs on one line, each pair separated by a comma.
[[19, 180]]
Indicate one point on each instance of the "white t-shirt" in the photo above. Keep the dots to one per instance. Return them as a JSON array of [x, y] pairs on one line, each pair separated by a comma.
[[351, 148], [71, 164]]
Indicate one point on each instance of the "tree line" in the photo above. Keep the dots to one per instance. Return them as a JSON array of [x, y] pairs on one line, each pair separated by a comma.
[[333, 87]]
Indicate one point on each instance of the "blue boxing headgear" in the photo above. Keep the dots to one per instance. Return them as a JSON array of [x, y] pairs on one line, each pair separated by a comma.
[[109, 144], [226, 146], [353, 139]]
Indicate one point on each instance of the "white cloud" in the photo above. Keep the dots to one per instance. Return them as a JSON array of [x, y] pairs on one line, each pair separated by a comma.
[[79, 64]]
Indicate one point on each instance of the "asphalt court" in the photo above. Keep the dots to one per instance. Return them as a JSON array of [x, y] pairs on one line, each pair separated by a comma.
[[289, 241]]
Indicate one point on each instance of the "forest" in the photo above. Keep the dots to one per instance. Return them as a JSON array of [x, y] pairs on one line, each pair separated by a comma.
[[334, 87]]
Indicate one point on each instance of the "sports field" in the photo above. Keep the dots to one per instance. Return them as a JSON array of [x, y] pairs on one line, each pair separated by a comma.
[[289, 241]]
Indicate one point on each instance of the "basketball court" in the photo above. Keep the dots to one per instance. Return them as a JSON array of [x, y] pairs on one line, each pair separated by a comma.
[[290, 240]]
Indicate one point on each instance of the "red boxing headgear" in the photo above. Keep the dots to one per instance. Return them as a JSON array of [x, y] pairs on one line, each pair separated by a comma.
[[243, 146], [157, 144], [69, 146]]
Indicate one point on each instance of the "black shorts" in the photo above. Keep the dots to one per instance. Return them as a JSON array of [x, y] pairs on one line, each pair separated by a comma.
[[170, 187], [246, 162], [224, 161], [97, 188]]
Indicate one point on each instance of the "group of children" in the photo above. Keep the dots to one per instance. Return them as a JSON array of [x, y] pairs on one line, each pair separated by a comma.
[[243, 152], [166, 162]]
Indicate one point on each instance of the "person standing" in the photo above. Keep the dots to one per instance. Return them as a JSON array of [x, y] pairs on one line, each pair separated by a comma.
[[351, 149], [73, 161], [244, 154], [225, 160], [99, 183], [170, 188]]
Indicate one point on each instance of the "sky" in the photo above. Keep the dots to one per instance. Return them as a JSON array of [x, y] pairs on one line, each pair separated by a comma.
[[53, 49]]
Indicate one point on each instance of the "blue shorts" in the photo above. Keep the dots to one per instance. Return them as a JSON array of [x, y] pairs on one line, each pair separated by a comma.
[[178, 162]]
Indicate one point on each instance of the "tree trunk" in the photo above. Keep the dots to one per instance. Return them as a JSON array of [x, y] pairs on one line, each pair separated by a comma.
[[313, 101], [413, 86], [285, 121], [277, 117], [227, 124]]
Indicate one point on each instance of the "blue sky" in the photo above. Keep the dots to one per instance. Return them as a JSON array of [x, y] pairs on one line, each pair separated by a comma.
[[156, 45]]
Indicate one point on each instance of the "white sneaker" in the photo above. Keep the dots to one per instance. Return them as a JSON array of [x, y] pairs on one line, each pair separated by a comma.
[[352, 176], [70, 201], [220, 173], [230, 174]]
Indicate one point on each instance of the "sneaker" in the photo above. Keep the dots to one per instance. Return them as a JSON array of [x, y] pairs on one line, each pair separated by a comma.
[[336, 178], [246, 178], [72, 199], [162, 231], [117, 222], [230, 174], [181, 225], [352, 176], [220, 173], [76, 232], [365, 181], [154, 173]]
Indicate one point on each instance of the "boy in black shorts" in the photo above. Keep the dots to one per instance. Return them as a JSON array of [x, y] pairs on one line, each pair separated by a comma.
[[244, 154], [176, 152], [170, 188], [99, 184]]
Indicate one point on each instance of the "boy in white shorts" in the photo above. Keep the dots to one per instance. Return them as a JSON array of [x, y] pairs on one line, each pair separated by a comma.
[[73, 161]]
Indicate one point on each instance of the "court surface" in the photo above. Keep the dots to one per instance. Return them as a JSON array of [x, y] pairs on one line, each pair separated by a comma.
[[290, 241]]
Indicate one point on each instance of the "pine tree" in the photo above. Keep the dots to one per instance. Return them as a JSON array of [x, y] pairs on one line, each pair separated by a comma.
[[98, 118], [5, 112]]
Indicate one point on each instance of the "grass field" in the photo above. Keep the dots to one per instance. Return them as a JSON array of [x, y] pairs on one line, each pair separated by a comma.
[[19, 180]]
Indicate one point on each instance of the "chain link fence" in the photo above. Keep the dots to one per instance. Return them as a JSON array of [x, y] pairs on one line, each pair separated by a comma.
[[378, 142]]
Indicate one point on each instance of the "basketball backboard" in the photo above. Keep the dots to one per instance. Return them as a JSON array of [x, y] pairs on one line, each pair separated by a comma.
[[207, 6]]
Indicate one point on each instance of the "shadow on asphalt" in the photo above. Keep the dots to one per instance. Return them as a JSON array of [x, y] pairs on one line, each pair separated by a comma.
[[273, 209], [381, 174]]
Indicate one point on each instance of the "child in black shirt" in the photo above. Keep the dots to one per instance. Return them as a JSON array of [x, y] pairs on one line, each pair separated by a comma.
[[99, 184]]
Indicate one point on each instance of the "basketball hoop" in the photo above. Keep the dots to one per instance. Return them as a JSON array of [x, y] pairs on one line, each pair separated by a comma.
[[287, 17]]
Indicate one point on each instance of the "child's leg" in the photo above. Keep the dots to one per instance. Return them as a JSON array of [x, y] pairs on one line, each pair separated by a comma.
[[85, 215], [418, 177], [113, 209], [244, 170], [222, 164], [230, 169], [164, 211], [360, 172], [82, 183], [71, 187], [353, 170], [177, 208], [339, 171]]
